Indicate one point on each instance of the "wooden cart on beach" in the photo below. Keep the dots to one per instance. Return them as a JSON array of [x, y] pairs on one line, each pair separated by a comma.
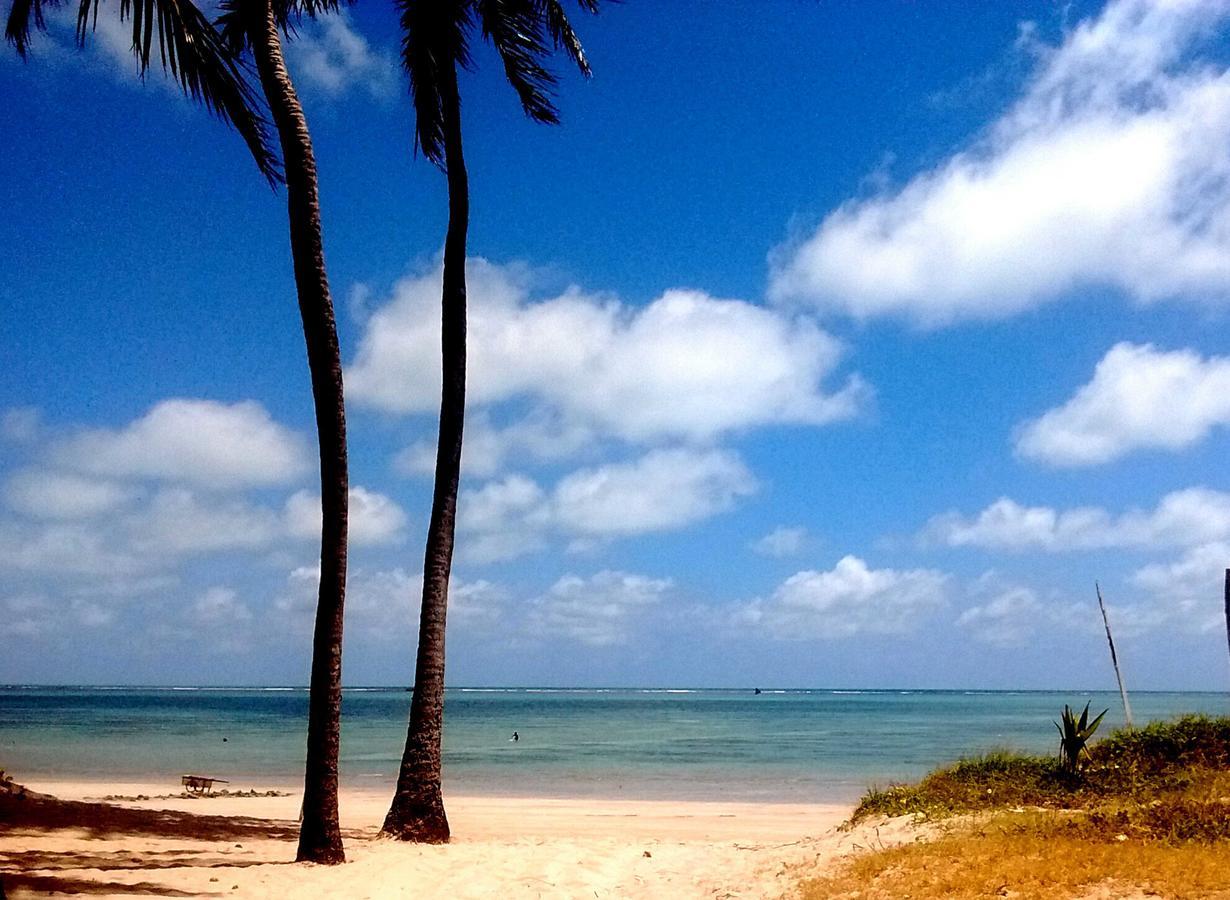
[[199, 784]]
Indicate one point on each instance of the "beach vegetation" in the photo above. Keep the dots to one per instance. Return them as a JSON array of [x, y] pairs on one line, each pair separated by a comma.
[[1032, 855], [1147, 813], [1138, 764]]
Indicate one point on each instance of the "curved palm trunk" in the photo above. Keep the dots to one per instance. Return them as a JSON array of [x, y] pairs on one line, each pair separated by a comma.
[[320, 838], [417, 812]]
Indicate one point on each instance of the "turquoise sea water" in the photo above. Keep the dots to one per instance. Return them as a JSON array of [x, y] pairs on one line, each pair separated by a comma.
[[794, 745]]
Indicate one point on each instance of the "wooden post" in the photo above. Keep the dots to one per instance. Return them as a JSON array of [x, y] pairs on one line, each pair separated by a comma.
[[1114, 659], [1227, 595]]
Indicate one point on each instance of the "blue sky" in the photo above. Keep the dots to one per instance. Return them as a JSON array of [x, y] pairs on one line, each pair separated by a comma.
[[824, 344]]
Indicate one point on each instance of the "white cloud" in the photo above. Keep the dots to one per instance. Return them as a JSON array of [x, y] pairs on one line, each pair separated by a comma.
[[1180, 519], [780, 542], [1139, 397], [21, 424], [214, 445], [220, 606], [65, 550], [55, 495], [36, 616], [661, 491], [537, 437], [598, 611], [373, 517], [385, 603], [329, 55], [1111, 169], [1188, 591], [686, 366], [155, 533], [179, 522], [846, 600], [1010, 614]]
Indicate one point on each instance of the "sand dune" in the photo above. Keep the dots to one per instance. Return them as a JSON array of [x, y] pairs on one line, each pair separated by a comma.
[[502, 847]]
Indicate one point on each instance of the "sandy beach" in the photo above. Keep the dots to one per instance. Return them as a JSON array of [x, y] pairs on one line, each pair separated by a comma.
[[502, 847]]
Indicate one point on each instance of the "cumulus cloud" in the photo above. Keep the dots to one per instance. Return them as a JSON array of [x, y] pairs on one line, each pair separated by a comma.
[[1188, 591], [56, 495], [660, 491], [598, 611], [1180, 519], [539, 436], [847, 600], [1111, 169], [1140, 397], [384, 603], [179, 522], [213, 445], [373, 518], [780, 542], [156, 532], [36, 616], [686, 366], [1007, 614], [330, 56], [66, 550]]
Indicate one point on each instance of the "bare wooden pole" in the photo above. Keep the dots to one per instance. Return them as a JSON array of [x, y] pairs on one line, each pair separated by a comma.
[[1227, 606], [1114, 659]]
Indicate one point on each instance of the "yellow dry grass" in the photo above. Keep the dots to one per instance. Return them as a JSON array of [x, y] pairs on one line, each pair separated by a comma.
[[1030, 856]]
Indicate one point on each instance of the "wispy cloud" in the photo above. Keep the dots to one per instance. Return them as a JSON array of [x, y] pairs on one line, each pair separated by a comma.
[[330, 56]]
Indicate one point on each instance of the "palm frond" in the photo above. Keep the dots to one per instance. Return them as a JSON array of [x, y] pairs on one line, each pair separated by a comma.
[[288, 9], [233, 25], [22, 15], [515, 29], [561, 31], [434, 36], [194, 54]]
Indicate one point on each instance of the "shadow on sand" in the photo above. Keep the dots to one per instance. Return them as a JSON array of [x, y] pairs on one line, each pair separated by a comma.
[[26, 872]]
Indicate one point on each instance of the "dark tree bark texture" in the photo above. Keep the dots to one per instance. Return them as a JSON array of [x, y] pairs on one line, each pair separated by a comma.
[[320, 838], [417, 812]]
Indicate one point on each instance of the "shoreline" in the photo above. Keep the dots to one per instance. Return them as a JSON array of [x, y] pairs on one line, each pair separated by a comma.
[[485, 816]]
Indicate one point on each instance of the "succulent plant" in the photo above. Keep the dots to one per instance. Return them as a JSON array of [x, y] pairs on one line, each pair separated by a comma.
[[1074, 735]]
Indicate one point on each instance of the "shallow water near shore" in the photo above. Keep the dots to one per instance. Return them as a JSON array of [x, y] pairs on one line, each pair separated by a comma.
[[804, 746]]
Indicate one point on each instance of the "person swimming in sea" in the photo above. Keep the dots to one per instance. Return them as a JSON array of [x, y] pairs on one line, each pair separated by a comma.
[[516, 737]]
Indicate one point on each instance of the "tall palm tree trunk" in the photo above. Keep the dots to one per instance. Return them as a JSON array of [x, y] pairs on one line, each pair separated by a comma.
[[320, 838], [417, 811]]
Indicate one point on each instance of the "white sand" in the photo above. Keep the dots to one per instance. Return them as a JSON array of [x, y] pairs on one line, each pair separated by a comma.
[[501, 847]]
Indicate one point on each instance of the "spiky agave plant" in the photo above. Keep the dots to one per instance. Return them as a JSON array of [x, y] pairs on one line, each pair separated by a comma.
[[1074, 735]]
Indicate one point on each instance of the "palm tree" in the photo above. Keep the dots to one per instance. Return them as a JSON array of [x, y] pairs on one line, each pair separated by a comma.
[[435, 44], [209, 68], [257, 26]]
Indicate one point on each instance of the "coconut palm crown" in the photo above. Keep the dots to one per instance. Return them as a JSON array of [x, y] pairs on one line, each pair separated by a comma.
[[188, 47]]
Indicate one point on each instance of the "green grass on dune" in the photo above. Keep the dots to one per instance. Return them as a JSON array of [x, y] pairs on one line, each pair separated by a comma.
[[1157, 776]]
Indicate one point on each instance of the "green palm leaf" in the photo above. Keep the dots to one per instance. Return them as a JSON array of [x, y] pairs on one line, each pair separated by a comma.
[[188, 48]]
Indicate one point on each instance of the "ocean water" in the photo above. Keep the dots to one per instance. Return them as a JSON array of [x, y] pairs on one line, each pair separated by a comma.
[[791, 745]]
